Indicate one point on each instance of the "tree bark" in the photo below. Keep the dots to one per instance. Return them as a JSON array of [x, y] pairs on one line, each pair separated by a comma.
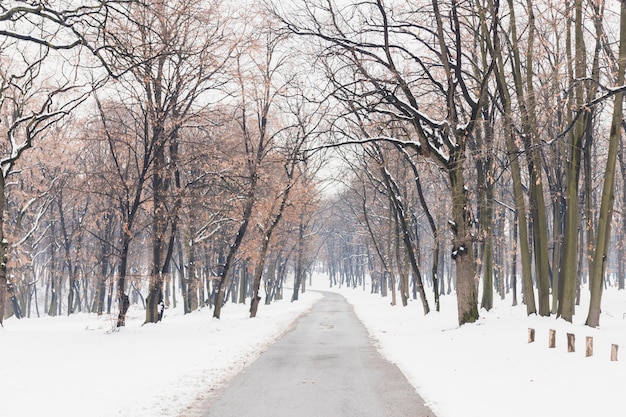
[[462, 242], [154, 300], [527, 103], [299, 268], [518, 191], [569, 271], [3, 251], [122, 297], [608, 190]]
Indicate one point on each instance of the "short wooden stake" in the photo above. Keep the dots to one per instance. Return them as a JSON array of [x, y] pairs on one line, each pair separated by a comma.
[[571, 342], [589, 346], [552, 339], [614, 352], [531, 335]]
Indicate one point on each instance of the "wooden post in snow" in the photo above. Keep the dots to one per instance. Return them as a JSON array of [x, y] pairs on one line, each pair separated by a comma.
[[531, 335], [571, 342], [589, 346], [614, 348], [552, 339]]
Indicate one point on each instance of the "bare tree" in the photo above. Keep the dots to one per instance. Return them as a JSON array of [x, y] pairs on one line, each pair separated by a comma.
[[35, 30], [608, 191], [437, 97], [175, 53]]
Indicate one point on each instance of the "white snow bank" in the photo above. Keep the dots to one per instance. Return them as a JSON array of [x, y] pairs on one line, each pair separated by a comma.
[[79, 366], [489, 369]]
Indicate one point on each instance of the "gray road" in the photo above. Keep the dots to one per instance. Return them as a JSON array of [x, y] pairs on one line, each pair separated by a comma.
[[325, 367]]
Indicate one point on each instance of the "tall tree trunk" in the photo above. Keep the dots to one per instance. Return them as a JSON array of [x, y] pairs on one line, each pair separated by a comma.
[[569, 270], [486, 197], [520, 206], [256, 280], [3, 251], [588, 194], [526, 97], [462, 221], [154, 300], [608, 189], [122, 297], [514, 245], [54, 293], [299, 268], [622, 236], [189, 280], [243, 282], [462, 241], [483, 153], [165, 178], [559, 207], [537, 202]]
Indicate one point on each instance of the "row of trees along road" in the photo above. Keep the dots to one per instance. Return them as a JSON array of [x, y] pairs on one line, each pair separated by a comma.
[[170, 150], [180, 173], [492, 124]]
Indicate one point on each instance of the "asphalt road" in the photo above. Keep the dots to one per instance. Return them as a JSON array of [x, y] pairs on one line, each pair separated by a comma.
[[325, 367]]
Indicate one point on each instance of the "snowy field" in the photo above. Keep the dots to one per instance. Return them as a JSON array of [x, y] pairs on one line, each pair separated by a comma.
[[78, 366]]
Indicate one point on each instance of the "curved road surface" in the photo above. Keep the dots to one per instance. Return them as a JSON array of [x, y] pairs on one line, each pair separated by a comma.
[[325, 367]]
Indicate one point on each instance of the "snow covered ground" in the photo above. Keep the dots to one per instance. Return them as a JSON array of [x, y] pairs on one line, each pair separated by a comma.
[[489, 369], [77, 366]]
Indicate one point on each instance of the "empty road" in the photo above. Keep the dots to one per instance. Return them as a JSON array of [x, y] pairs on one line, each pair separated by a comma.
[[326, 366]]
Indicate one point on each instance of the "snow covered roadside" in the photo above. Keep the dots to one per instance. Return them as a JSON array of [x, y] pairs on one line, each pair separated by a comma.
[[489, 369], [77, 366]]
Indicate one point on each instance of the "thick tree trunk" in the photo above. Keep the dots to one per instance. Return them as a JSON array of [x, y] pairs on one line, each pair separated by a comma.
[[608, 190], [531, 142], [486, 233], [569, 271], [518, 192], [100, 291], [462, 242], [154, 300], [256, 280]]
